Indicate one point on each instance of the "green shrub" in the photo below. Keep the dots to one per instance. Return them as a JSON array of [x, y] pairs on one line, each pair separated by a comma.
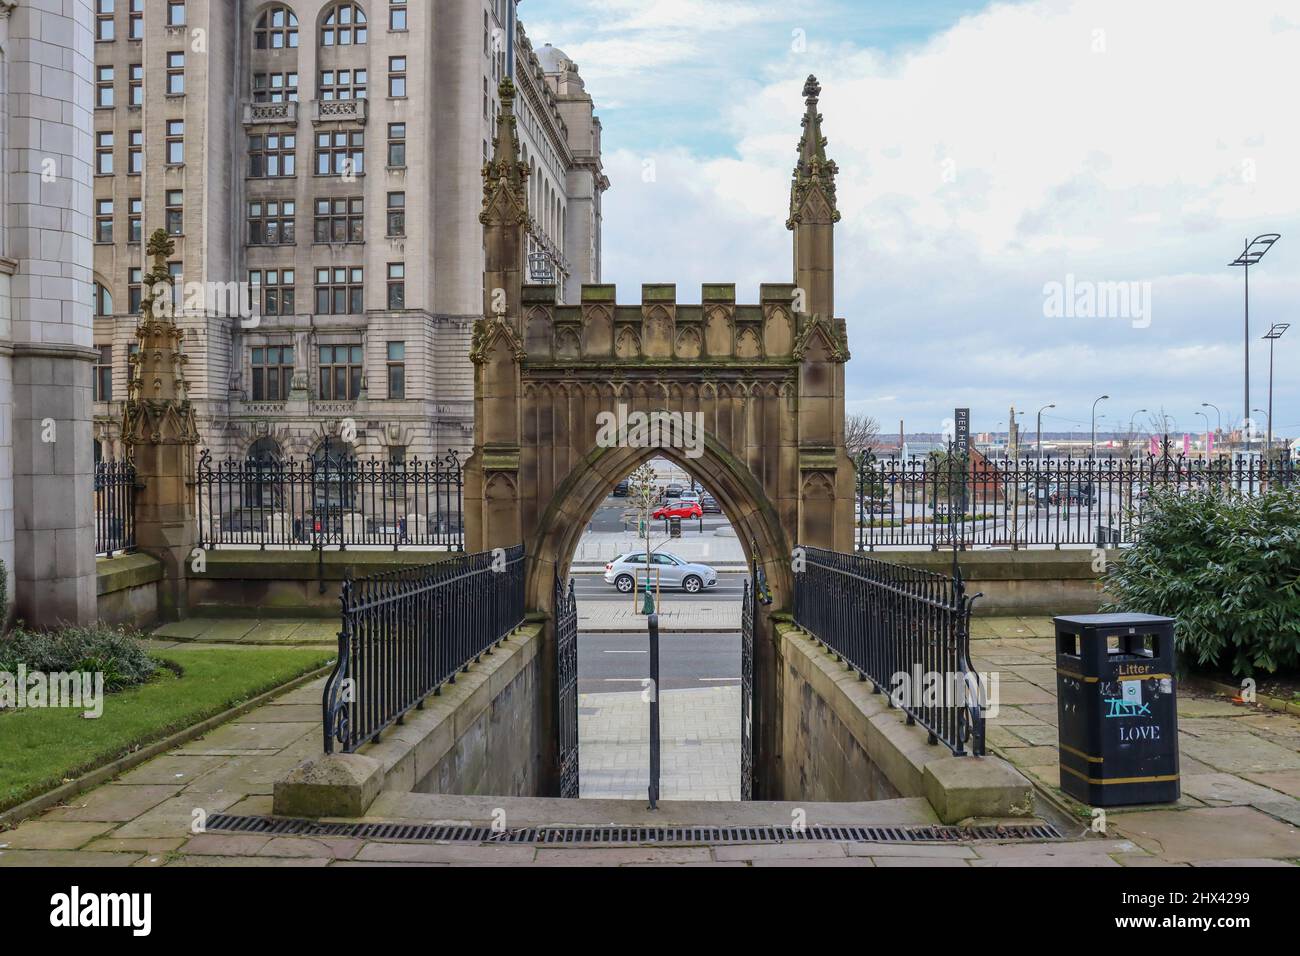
[[115, 652], [1227, 567]]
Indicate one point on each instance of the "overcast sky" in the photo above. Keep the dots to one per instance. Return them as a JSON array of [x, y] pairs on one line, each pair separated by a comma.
[[986, 152]]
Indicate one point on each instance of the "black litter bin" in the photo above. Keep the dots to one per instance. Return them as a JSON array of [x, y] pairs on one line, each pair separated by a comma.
[[1116, 708], [674, 527]]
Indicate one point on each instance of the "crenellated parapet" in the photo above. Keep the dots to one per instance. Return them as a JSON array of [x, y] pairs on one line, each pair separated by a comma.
[[659, 329]]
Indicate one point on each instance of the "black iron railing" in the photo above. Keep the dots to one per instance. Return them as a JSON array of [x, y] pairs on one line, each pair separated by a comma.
[[905, 630], [946, 500], [114, 507], [566, 645], [406, 633], [328, 501]]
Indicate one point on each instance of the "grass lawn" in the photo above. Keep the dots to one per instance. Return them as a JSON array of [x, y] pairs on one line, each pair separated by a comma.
[[41, 748]]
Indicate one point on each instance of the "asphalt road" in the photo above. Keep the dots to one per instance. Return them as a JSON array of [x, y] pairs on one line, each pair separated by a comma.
[[730, 587], [610, 663]]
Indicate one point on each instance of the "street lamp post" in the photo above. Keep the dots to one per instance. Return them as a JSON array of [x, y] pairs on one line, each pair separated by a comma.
[[1218, 428], [1207, 435], [1039, 433], [1275, 333], [1253, 251], [1269, 426], [1140, 411], [1094, 424]]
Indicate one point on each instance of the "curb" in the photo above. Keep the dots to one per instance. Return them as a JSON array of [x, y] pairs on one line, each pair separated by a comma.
[[121, 765], [662, 630], [1227, 690]]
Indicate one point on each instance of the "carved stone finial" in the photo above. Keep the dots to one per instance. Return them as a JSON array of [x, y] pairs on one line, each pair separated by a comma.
[[812, 191], [505, 177]]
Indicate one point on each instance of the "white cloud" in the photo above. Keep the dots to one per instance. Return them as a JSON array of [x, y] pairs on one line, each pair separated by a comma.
[[1003, 154]]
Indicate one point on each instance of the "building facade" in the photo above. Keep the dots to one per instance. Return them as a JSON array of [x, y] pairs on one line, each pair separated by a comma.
[[318, 166], [47, 539]]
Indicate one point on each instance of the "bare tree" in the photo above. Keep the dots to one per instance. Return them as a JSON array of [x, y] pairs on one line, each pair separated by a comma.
[[861, 432]]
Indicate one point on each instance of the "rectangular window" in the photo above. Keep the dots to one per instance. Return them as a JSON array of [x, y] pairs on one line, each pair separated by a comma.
[[340, 372], [273, 155], [271, 223], [104, 29], [177, 272], [134, 283], [397, 145], [275, 87], [397, 370], [397, 285], [136, 20], [104, 88], [340, 220], [103, 220], [176, 73], [397, 214], [272, 372], [175, 142], [340, 153], [135, 216], [273, 291], [104, 374], [397, 16], [343, 84], [135, 152], [339, 291], [176, 13], [135, 85], [397, 77], [104, 153], [174, 213]]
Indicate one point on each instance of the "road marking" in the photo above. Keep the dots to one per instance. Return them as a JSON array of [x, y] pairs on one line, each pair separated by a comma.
[[705, 680], [625, 652], [625, 680]]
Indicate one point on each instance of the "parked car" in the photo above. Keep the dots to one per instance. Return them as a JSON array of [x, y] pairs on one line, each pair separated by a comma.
[[690, 496], [1078, 493], [673, 491], [621, 489], [628, 570], [710, 504], [683, 509]]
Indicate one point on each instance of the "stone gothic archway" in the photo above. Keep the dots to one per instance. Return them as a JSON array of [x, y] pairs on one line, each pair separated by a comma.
[[764, 382]]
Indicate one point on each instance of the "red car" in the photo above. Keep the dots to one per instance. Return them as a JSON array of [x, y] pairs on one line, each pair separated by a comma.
[[681, 509]]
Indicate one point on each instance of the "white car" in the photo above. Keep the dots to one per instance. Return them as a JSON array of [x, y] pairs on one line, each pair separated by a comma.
[[627, 571]]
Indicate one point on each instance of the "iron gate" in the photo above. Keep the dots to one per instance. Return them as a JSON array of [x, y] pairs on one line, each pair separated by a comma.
[[566, 643], [747, 694]]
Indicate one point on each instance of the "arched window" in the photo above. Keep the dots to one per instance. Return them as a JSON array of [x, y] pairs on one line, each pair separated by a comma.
[[276, 29], [344, 25], [264, 451], [336, 474], [103, 301]]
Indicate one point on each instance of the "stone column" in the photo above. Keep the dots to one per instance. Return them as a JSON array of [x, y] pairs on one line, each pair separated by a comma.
[[159, 427], [48, 70]]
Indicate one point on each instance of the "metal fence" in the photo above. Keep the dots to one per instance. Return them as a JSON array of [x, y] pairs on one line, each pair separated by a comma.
[[948, 501], [327, 501], [114, 507], [905, 630], [406, 633]]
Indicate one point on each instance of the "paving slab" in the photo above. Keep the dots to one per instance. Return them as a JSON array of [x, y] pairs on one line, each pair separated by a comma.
[[1285, 781], [66, 858], [115, 803], [1212, 833], [41, 834], [171, 768], [1240, 753], [249, 737], [1225, 789]]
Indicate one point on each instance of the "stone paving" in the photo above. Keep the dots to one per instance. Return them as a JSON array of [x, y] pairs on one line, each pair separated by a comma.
[[700, 735], [1241, 780], [1239, 764]]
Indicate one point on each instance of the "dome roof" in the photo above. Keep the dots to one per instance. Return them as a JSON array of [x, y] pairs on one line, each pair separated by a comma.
[[553, 59]]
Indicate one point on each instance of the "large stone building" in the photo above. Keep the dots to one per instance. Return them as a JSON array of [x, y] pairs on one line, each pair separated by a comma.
[[328, 154], [47, 536]]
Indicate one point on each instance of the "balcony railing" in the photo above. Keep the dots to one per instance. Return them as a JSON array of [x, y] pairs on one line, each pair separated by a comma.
[[333, 111], [256, 114]]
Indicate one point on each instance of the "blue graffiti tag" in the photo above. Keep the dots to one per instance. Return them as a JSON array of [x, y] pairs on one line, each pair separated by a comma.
[[1124, 708]]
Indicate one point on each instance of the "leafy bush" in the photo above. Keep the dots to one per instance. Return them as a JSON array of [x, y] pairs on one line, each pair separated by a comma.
[[1227, 567], [116, 653]]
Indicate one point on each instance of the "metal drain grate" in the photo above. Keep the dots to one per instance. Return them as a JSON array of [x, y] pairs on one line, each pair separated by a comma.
[[627, 836]]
